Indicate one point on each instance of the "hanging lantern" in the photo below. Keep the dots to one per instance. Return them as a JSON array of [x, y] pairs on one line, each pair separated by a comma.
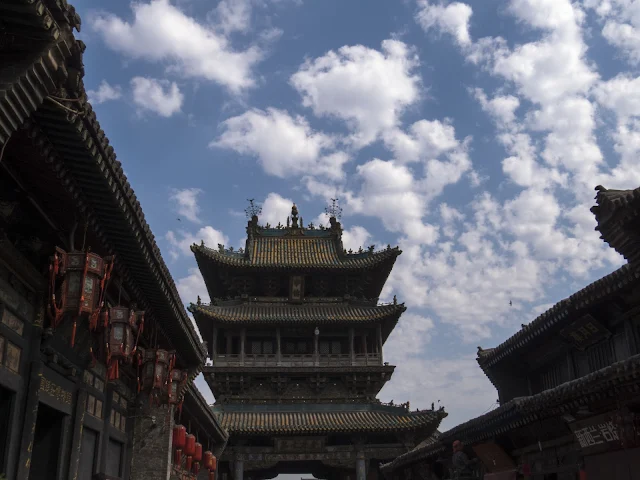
[[120, 344], [177, 382], [197, 458], [179, 442], [76, 287], [210, 463], [190, 449], [157, 365]]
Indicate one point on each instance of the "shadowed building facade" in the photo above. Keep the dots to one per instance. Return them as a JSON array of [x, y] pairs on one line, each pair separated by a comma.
[[73, 403], [295, 333]]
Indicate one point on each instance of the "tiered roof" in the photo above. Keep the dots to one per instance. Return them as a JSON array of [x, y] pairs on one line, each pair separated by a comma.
[[240, 312], [293, 248], [325, 419]]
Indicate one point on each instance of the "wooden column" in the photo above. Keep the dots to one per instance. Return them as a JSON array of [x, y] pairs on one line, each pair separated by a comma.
[[316, 358], [278, 347], [76, 442], [239, 470], [214, 343], [364, 348], [243, 338], [379, 335], [227, 334], [351, 350], [30, 418]]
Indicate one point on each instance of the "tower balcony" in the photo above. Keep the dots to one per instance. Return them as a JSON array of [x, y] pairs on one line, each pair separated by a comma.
[[298, 360]]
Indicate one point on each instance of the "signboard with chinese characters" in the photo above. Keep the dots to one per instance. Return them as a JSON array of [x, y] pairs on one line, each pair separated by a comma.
[[597, 434], [584, 332]]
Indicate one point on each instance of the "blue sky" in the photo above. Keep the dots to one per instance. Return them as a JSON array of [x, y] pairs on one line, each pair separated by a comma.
[[471, 134]]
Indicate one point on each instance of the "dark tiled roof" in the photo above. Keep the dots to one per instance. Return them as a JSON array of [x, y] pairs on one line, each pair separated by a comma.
[[427, 448], [561, 314], [308, 421], [307, 313], [77, 150], [198, 406], [607, 382], [295, 252], [615, 210]]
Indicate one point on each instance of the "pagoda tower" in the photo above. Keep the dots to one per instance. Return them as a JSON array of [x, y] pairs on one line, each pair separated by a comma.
[[295, 333]]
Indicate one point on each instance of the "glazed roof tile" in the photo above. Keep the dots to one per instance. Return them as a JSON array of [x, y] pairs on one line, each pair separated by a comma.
[[308, 421], [307, 313], [284, 252]]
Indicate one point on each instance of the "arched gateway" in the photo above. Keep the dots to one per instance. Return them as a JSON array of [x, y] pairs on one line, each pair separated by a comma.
[[296, 334]]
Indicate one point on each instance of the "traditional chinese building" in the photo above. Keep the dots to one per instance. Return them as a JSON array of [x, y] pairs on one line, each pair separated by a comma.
[[568, 383], [296, 333], [97, 353]]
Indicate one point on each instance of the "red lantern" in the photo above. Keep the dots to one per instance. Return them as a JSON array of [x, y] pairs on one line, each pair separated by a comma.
[[197, 457], [179, 442], [81, 291], [190, 449], [209, 460]]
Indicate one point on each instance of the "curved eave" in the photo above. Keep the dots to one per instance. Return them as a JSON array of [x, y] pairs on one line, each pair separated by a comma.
[[310, 423], [347, 262], [561, 314]]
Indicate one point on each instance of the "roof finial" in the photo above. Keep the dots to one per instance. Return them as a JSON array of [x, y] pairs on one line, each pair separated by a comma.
[[334, 209], [294, 216], [253, 210]]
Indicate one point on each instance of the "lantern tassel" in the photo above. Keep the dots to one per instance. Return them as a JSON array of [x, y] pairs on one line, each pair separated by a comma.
[[178, 460], [114, 370], [189, 460], [73, 332]]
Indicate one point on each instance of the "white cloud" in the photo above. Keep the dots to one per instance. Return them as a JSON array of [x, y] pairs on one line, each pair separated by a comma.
[[275, 209], [104, 93], [181, 241], [186, 200], [233, 16], [355, 237], [426, 139], [192, 286], [620, 94], [158, 96], [162, 33], [285, 145], [452, 19], [366, 88]]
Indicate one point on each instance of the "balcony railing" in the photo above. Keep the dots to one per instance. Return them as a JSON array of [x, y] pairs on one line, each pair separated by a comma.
[[287, 360]]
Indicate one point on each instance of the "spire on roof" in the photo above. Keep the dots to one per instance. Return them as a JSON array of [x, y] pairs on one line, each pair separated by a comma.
[[253, 210], [334, 210], [294, 216]]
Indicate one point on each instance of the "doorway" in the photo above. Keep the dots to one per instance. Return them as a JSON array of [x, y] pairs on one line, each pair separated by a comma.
[[46, 444], [6, 404]]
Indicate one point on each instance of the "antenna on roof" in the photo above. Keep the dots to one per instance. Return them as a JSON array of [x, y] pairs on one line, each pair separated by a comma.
[[334, 209], [254, 209]]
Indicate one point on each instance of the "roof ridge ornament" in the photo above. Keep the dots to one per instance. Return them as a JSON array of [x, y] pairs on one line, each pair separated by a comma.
[[334, 210]]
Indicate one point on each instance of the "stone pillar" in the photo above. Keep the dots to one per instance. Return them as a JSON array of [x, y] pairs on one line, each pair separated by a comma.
[[278, 347], [151, 453], [351, 351], [239, 470], [243, 337], [361, 467]]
